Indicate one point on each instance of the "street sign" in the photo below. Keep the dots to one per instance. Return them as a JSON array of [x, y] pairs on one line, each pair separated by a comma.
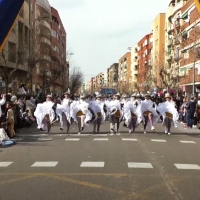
[[197, 2]]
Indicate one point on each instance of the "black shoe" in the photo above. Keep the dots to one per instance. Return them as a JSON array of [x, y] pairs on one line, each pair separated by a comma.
[[41, 129], [61, 129], [82, 128]]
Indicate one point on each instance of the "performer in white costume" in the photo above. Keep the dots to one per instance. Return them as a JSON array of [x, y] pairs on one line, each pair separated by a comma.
[[45, 114], [132, 113], [63, 111], [169, 113], [115, 115], [98, 109], [149, 114], [80, 113]]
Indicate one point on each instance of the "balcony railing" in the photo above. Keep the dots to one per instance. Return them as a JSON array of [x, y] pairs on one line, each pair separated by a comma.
[[177, 7], [45, 23], [45, 40]]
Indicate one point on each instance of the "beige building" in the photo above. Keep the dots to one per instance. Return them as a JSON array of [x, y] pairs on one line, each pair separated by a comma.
[[134, 68], [158, 51], [112, 76], [15, 52]]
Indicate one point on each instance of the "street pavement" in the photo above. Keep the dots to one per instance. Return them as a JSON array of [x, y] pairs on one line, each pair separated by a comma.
[[62, 166]]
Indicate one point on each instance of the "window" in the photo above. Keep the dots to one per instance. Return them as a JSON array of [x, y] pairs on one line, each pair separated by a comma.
[[11, 52], [53, 33], [186, 54]]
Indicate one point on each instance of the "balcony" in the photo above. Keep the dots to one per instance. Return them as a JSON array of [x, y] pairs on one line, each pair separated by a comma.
[[44, 4], [46, 58], [177, 7], [45, 40], [169, 59], [45, 24], [171, 29]]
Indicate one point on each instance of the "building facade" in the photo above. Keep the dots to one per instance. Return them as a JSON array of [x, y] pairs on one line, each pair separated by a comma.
[[158, 51], [112, 76], [124, 73], [58, 51], [134, 68], [189, 70], [15, 52], [143, 61]]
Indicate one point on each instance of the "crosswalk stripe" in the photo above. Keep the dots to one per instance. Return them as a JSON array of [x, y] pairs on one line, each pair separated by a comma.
[[187, 142], [187, 166], [101, 139], [92, 164], [5, 164], [140, 165], [157, 140], [129, 139], [72, 139], [44, 164], [45, 139]]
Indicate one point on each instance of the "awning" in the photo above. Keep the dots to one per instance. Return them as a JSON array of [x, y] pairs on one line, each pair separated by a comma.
[[182, 69], [185, 15]]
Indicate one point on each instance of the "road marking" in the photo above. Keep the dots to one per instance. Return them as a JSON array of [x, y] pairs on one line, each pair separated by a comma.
[[156, 140], [5, 164], [72, 139], [129, 139], [140, 165], [187, 166], [92, 164], [100, 135], [44, 164], [101, 139], [187, 142], [44, 139]]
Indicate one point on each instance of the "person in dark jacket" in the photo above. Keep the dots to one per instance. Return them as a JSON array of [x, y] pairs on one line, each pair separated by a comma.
[[191, 108]]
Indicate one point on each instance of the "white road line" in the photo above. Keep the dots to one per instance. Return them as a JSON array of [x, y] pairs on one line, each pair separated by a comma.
[[44, 164], [92, 164], [72, 139], [101, 139], [129, 139], [187, 142], [156, 140], [5, 164], [140, 165], [44, 139], [100, 135], [187, 166]]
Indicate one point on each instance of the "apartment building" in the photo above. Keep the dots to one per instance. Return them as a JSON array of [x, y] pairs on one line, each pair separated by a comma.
[[124, 72], [134, 68], [158, 50], [112, 76], [143, 63], [99, 81], [16, 50], [189, 70], [58, 51]]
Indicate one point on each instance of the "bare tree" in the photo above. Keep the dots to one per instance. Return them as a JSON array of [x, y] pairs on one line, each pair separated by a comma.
[[76, 79], [50, 76], [7, 73]]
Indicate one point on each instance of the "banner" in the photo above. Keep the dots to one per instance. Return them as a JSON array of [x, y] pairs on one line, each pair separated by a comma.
[[9, 10], [197, 2]]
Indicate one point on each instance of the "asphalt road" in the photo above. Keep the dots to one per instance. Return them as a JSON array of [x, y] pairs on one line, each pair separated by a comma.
[[153, 166]]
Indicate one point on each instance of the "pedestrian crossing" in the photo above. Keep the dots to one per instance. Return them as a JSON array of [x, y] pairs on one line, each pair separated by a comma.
[[123, 139], [102, 164]]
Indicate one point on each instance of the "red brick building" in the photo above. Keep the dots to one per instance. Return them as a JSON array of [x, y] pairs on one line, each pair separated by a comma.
[[58, 52], [189, 70], [144, 62]]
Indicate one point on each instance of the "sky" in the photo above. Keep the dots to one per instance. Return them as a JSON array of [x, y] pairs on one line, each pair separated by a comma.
[[99, 32]]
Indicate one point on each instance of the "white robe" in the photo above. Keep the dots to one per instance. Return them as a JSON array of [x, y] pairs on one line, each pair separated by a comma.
[[80, 106], [42, 110], [168, 107], [147, 105], [131, 107]]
